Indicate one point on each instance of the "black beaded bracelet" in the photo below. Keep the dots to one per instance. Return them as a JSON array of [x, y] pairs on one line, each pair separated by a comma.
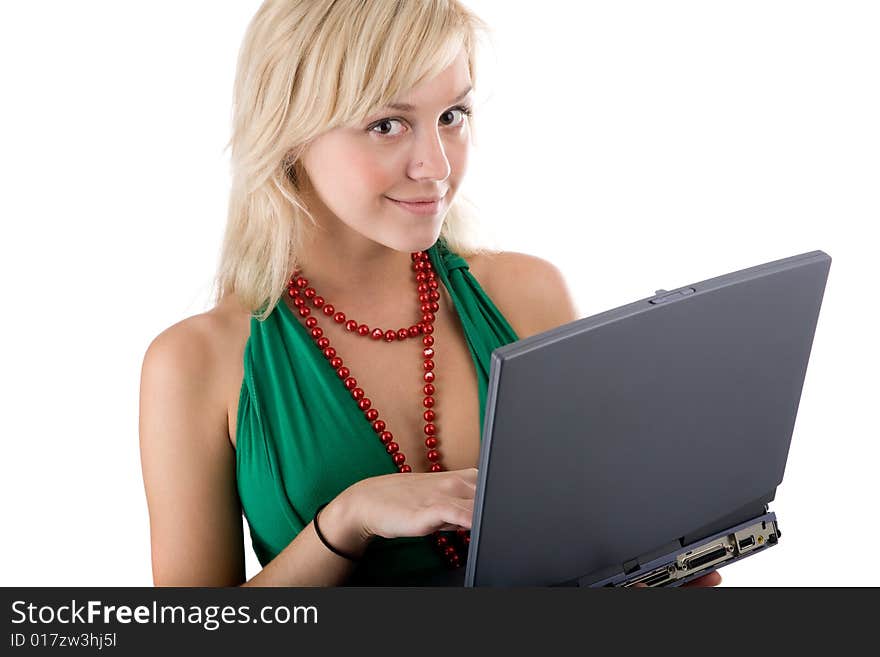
[[324, 540]]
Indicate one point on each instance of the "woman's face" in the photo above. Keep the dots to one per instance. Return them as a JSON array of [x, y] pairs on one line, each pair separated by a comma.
[[356, 171]]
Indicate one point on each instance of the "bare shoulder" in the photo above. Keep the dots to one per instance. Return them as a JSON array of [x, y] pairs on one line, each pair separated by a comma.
[[206, 337], [181, 362], [200, 356], [530, 292], [190, 344]]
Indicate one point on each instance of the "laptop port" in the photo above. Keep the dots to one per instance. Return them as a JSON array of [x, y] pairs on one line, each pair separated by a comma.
[[659, 578], [654, 578], [706, 557], [746, 542]]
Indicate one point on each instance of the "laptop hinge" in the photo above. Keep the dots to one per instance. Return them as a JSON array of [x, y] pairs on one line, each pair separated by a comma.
[[751, 510]]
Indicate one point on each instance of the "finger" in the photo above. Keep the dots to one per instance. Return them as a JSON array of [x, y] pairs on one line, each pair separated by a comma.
[[710, 579], [459, 511], [465, 487], [468, 474]]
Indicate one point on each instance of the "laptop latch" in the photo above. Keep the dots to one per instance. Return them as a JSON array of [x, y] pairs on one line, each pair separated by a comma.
[[631, 566]]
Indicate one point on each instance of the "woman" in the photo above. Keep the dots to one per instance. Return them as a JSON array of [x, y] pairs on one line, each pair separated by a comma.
[[341, 375]]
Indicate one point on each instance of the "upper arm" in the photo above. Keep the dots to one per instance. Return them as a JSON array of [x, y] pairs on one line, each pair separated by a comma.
[[188, 463], [532, 291]]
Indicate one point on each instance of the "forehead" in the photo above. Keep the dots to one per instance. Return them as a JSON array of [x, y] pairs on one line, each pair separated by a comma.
[[450, 86]]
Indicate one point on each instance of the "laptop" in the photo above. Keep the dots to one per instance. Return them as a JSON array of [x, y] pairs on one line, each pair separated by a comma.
[[644, 444]]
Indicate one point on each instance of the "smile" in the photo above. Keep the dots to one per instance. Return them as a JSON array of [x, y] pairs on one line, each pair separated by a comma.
[[420, 208]]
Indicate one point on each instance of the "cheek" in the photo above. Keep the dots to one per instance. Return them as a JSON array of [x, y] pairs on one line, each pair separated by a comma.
[[371, 175], [457, 152]]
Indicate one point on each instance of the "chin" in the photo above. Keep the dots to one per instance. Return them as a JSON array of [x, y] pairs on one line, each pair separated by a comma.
[[427, 245], [405, 246], [422, 240]]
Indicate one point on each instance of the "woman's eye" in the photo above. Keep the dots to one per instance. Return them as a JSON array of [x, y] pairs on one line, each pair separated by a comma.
[[464, 111], [380, 127]]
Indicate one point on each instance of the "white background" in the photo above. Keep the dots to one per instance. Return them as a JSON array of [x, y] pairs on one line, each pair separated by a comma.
[[637, 145]]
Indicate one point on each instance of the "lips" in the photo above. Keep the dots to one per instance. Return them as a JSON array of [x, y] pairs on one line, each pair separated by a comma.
[[424, 199], [419, 208]]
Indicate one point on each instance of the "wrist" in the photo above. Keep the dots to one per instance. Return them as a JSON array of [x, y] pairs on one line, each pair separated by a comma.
[[340, 526]]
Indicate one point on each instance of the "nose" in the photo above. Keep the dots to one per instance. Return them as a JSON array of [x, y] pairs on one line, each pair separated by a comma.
[[429, 159]]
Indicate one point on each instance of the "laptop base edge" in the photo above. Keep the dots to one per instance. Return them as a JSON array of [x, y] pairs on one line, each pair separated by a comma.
[[696, 559]]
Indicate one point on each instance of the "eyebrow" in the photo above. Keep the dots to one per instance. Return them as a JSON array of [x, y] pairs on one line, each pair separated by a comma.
[[406, 107]]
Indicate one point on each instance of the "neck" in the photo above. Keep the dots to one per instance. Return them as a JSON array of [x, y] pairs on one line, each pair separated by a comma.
[[362, 278]]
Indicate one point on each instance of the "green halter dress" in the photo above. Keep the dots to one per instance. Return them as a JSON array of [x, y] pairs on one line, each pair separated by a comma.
[[302, 440]]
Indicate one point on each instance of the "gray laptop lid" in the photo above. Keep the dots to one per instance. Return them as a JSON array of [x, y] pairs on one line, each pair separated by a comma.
[[611, 436]]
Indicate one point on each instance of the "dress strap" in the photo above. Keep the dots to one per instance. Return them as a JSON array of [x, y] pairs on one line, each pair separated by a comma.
[[450, 260]]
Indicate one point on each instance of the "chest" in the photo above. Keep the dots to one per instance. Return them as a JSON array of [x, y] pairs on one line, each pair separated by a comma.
[[392, 377]]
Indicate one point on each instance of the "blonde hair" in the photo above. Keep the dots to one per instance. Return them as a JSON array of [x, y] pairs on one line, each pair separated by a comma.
[[305, 67]]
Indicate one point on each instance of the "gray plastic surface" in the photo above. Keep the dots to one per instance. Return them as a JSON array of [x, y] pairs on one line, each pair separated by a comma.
[[609, 437]]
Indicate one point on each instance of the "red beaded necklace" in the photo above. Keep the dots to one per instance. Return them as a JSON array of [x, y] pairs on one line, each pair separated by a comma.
[[298, 289]]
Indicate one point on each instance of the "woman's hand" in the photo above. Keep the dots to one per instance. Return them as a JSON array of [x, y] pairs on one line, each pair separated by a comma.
[[420, 503], [413, 503]]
